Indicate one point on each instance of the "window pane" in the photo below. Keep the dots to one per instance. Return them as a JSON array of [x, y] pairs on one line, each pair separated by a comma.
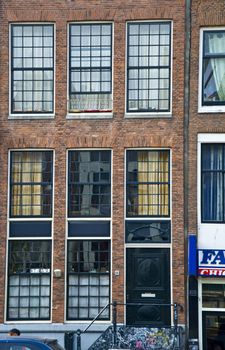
[[213, 295], [31, 183], [29, 265], [90, 56], [89, 183], [148, 51], [32, 49], [148, 187], [214, 81], [212, 177], [88, 279]]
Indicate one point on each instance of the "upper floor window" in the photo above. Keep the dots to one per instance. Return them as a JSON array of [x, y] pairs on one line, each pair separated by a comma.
[[212, 89], [148, 67], [90, 68], [212, 182], [89, 192], [32, 68], [31, 178], [148, 183]]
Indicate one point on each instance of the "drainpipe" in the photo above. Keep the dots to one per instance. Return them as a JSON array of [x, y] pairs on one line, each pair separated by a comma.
[[187, 55]]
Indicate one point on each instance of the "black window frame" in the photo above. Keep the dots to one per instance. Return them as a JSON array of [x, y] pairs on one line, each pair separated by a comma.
[[33, 69], [138, 67], [21, 183], [28, 273], [99, 185], [89, 68], [135, 182], [89, 275], [208, 56]]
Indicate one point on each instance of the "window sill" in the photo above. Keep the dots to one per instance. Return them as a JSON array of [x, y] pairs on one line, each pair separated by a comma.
[[30, 116], [147, 115], [211, 109], [107, 115]]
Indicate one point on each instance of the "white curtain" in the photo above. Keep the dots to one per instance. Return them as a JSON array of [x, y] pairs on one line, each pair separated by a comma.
[[217, 46]]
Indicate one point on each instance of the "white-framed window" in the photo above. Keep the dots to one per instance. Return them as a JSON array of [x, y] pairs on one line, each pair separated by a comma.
[[148, 196], [32, 70], [211, 313], [211, 173], [89, 224], [148, 91], [211, 72], [29, 252], [90, 69]]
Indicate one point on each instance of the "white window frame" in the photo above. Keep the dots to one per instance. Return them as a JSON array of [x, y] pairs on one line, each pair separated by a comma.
[[31, 116], [85, 115], [153, 115], [88, 219], [210, 235], [201, 108], [29, 238], [201, 308]]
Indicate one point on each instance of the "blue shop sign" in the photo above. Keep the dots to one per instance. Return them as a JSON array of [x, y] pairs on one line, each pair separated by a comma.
[[211, 262]]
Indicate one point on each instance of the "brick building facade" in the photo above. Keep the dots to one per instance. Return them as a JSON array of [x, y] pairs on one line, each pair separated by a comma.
[[91, 149]]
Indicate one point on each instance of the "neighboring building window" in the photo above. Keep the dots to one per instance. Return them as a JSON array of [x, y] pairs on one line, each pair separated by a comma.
[[212, 182], [213, 66], [29, 280], [89, 192], [88, 286], [90, 68], [32, 68], [31, 178], [148, 183], [148, 67]]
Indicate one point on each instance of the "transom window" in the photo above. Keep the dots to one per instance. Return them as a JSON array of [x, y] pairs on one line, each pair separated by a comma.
[[88, 279], [90, 59], [213, 79], [148, 183], [89, 183], [29, 280], [212, 182], [148, 67], [31, 183], [32, 68]]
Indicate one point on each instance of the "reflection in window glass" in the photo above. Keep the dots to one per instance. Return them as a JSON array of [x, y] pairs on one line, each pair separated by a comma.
[[213, 295], [89, 183], [29, 278], [88, 284]]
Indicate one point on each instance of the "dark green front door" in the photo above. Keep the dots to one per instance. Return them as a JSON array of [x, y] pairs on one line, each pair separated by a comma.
[[148, 286]]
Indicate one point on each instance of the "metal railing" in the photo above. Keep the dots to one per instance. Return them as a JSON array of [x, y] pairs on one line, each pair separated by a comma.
[[114, 305]]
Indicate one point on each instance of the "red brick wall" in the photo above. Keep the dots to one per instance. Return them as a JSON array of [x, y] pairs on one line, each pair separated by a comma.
[[117, 133]]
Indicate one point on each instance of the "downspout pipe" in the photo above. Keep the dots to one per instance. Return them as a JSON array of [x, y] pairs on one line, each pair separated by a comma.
[[187, 55]]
